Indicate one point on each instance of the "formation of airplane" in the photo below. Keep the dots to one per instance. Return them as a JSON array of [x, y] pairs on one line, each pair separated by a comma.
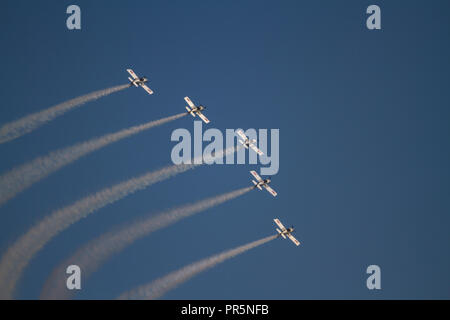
[[246, 142], [260, 183], [283, 231], [195, 110], [286, 232], [136, 81]]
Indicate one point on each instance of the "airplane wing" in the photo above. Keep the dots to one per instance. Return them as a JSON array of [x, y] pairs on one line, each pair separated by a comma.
[[131, 72], [272, 192], [146, 88], [279, 224], [257, 177], [256, 149], [202, 116], [241, 134], [290, 236], [189, 102]]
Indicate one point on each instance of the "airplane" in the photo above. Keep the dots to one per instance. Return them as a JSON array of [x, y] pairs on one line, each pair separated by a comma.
[[136, 81], [248, 143], [262, 183], [195, 110], [286, 232]]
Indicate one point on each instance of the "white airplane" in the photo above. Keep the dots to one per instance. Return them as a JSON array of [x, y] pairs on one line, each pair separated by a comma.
[[195, 110], [262, 183], [286, 232], [136, 81], [248, 143]]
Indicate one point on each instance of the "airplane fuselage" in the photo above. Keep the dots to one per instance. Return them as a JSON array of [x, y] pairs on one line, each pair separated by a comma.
[[139, 81], [247, 142], [196, 109], [285, 232], [262, 183]]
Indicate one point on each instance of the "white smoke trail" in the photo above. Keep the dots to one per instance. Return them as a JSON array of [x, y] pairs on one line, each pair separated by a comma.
[[18, 256], [162, 285], [22, 177], [95, 253], [15, 129]]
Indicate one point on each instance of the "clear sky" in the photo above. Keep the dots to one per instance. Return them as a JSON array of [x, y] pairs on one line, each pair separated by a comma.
[[364, 140]]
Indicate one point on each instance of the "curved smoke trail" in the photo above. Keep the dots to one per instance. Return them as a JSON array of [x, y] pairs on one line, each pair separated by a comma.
[[17, 128], [95, 253], [22, 177], [162, 285], [17, 256]]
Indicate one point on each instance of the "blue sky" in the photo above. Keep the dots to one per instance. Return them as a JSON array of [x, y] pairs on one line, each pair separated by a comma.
[[364, 135]]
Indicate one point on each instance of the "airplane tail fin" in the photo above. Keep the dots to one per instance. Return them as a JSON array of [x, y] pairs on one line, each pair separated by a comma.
[[243, 143], [132, 81], [256, 185], [280, 234], [190, 111]]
